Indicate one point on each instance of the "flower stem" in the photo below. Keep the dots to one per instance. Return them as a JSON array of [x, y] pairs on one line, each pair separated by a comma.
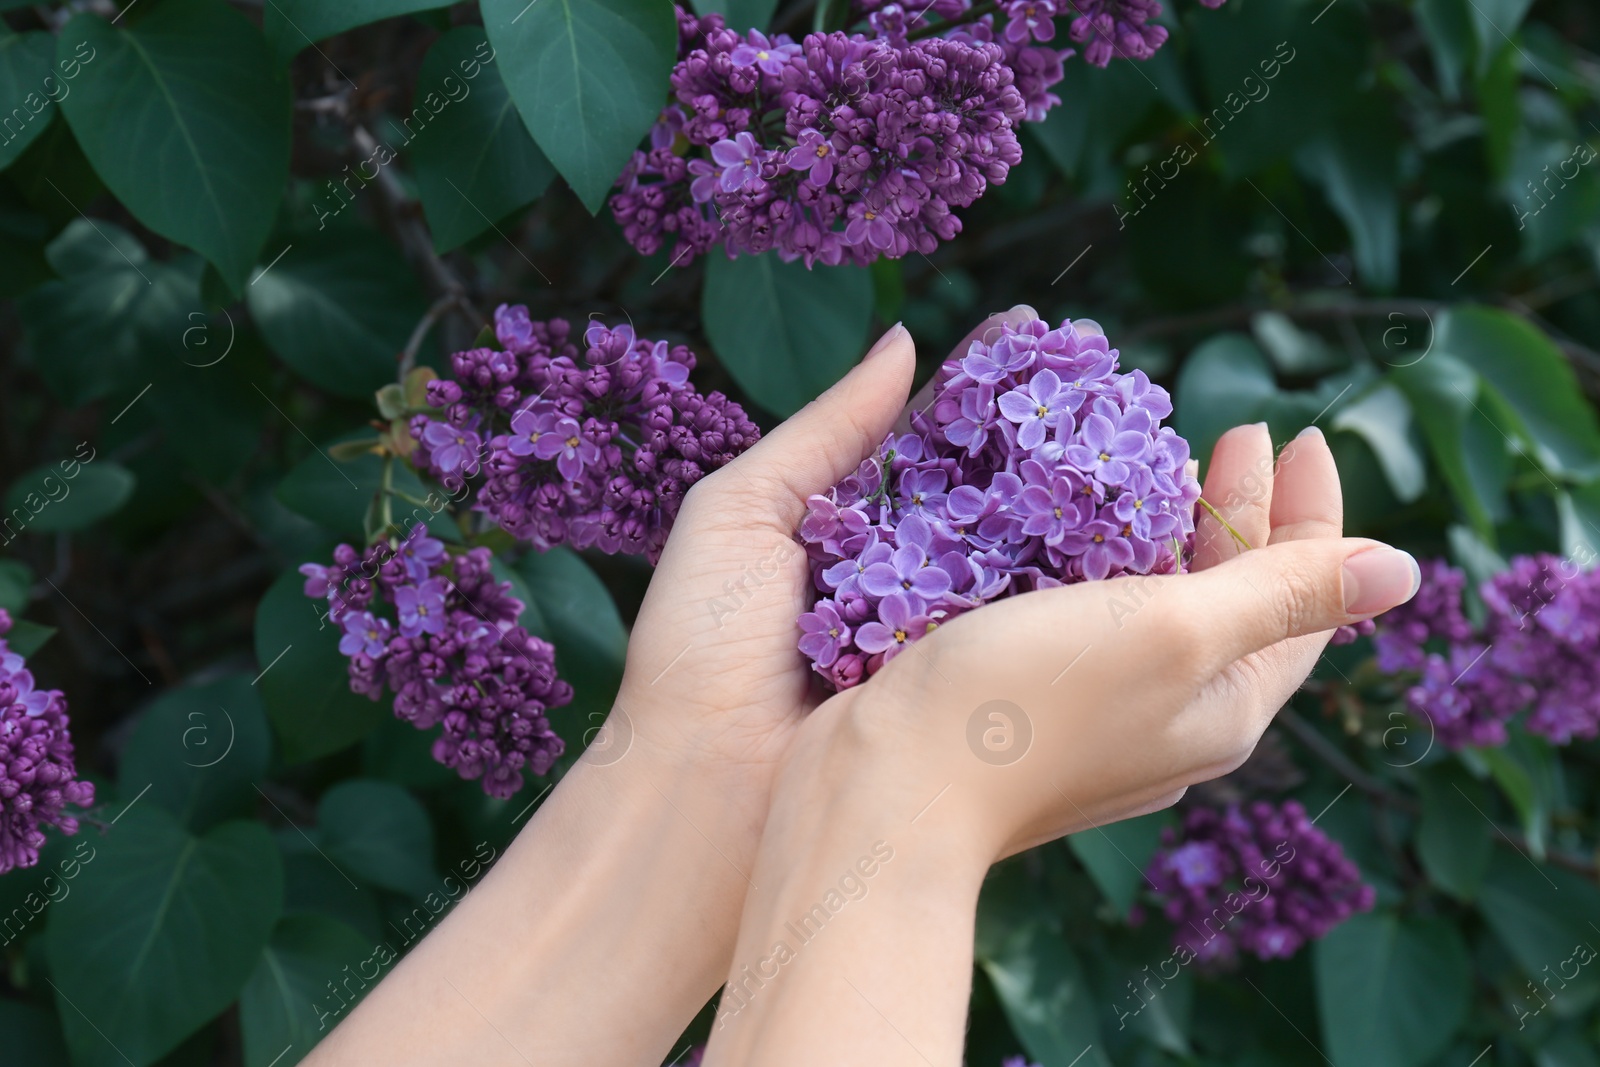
[[1226, 525]]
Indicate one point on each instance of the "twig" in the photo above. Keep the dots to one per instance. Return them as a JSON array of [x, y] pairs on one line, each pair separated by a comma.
[[1329, 753], [408, 356], [402, 211]]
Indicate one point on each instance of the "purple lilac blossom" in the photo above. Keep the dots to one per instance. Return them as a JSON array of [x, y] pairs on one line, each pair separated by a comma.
[[1258, 878], [592, 445], [455, 656], [1036, 463], [38, 777], [1534, 651]]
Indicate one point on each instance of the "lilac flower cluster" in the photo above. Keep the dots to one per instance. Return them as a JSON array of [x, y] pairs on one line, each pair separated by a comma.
[[1037, 463], [37, 775], [442, 633], [1121, 28], [839, 148], [1534, 650], [591, 446], [1261, 879]]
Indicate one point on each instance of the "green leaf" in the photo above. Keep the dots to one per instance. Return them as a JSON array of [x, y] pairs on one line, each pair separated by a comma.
[[88, 330], [54, 502], [161, 935], [1528, 773], [305, 685], [785, 333], [200, 749], [1454, 836], [33, 1035], [1226, 382], [1357, 163], [28, 86], [338, 309], [588, 76], [476, 163], [1496, 23], [1553, 191], [1472, 456], [1527, 371], [741, 15], [286, 1008], [1045, 996], [1117, 854], [379, 833], [26, 637], [291, 25], [187, 119], [570, 607], [1382, 418], [1450, 33], [1540, 914], [1390, 991], [16, 579]]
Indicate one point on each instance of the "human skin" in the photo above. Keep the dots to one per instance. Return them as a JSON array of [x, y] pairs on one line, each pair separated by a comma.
[[1127, 707], [613, 916]]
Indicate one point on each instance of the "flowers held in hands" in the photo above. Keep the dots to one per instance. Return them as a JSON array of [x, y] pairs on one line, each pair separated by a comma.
[[439, 631], [38, 777], [1037, 463], [589, 443]]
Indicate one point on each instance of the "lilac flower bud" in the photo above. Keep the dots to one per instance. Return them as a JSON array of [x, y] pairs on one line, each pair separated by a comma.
[[38, 777]]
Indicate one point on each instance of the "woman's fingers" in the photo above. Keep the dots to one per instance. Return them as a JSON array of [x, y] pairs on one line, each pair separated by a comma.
[[1307, 500], [1239, 486], [826, 440], [985, 331], [1291, 589]]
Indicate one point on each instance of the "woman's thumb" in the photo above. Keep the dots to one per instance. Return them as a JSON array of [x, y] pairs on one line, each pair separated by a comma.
[[826, 440]]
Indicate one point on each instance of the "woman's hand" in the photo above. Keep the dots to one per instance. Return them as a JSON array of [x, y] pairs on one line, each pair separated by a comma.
[[1058, 710], [1032, 717]]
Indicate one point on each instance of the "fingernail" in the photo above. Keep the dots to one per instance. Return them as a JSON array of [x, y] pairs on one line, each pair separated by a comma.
[[1379, 579], [895, 333], [1309, 432]]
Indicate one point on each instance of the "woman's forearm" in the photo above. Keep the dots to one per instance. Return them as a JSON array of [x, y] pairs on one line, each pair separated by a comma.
[[856, 944], [605, 926]]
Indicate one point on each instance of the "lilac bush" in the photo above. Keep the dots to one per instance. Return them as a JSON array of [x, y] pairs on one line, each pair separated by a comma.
[[1534, 651], [1259, 879], [1037, 463], [38, 777], [591, 445], [843, 147], [438, 630]]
